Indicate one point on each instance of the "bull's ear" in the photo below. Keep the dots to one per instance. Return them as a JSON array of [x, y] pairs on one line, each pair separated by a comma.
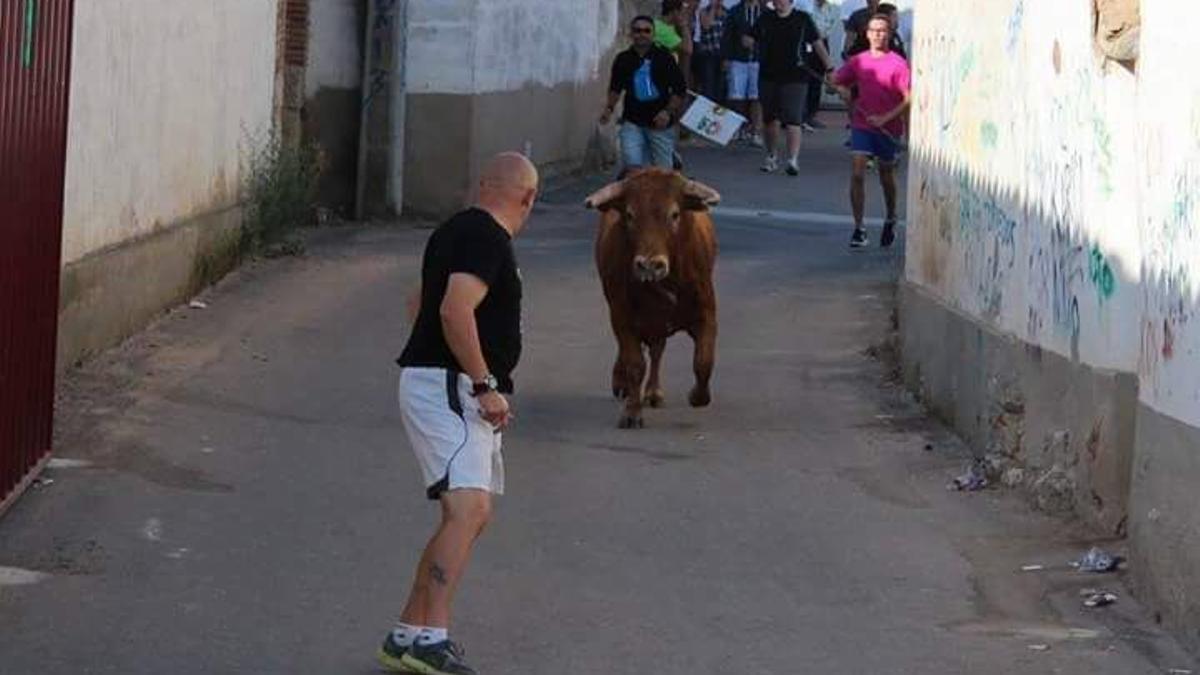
[[699, 197], [607, 197]]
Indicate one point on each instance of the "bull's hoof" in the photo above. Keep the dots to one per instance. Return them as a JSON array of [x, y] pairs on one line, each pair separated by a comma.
[[655, 398], [630, 422], [699, 397]]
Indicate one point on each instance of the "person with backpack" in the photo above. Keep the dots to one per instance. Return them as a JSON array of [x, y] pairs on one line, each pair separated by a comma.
[[653, 87]]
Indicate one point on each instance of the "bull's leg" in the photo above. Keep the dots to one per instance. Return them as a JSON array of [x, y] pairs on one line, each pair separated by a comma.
[[618, 379], [633, 366], [655, 396], [623, 331], [705, 337]]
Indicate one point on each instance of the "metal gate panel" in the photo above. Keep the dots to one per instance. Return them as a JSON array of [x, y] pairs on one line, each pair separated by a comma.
[[35, 47]]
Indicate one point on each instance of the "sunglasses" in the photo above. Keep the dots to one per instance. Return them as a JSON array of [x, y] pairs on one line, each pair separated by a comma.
[[646, 31]]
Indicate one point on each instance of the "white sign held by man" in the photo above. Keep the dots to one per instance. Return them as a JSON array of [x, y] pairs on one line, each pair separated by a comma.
[[712, 121]]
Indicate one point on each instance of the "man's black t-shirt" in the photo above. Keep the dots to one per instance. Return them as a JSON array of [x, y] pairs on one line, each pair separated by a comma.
[[664, 72], [787, 46], [474, 243]]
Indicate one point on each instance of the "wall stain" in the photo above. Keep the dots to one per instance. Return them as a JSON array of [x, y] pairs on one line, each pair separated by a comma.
[[989, 134]]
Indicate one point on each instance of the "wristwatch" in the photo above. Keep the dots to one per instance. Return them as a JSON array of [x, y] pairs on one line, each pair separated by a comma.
[[488, 383]]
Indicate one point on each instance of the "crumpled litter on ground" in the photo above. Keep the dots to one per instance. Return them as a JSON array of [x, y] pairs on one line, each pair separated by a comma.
[[1094, 598], [975, 478], [1098, 560]]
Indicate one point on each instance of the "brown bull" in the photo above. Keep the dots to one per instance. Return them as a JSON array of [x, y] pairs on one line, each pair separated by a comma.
[[655, 252]]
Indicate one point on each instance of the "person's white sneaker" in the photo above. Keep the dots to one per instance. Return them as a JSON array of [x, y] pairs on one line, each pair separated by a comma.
[[757, 140], [770, 164]]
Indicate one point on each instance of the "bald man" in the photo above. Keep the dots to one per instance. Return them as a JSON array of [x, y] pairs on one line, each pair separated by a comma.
[[455, 371]]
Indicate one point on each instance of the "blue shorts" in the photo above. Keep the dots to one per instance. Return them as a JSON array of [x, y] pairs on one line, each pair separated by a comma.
[[874, 143]]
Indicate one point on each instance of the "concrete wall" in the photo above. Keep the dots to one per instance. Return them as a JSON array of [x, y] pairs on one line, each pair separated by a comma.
[[499, 75], [1164, 514], [1053, 264], [333, 89], [163, 94]]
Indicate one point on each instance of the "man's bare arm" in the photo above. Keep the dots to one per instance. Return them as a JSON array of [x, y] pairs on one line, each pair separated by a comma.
[[823, 54], [610, 107], [464, 292]]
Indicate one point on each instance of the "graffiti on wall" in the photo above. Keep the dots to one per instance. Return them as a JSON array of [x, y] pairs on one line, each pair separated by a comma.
[[989, 241], [1170, 243], [1015, 24], [1023, 158]]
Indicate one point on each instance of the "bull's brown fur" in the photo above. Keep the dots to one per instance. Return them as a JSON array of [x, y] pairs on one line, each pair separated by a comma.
[[639, 221]]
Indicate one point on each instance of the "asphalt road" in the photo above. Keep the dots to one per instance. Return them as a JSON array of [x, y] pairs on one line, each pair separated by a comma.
[[248, 503]]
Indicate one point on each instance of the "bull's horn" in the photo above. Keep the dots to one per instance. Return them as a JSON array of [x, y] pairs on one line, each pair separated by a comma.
[[601, 198], [701, 193]]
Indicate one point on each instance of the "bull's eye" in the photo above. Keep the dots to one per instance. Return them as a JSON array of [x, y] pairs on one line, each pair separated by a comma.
[[629, 215]]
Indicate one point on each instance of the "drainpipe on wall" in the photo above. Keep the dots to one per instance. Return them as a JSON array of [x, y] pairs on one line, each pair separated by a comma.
[[399, 110], [381, 123], [368, 65]]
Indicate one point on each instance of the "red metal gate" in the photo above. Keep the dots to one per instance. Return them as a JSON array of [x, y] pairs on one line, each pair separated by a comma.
[[35, 48]]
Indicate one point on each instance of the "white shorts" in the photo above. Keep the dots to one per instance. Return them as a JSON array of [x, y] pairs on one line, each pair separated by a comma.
[[743, 80], [455, 447]]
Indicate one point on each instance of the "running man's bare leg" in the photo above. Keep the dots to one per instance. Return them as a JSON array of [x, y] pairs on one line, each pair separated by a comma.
[[887, 180], [858, 188]]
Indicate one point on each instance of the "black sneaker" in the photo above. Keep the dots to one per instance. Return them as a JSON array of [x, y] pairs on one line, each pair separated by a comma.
[[439, 658], [859, 238], [391, 655], [889, 233]]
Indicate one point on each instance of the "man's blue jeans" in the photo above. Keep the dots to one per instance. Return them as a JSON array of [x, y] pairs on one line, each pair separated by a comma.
[[643, 146]]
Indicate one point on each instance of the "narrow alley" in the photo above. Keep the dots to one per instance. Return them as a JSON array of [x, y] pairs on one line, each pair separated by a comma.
[[233, 491]]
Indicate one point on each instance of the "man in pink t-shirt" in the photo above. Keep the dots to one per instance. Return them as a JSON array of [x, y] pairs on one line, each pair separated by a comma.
[[876, 121]]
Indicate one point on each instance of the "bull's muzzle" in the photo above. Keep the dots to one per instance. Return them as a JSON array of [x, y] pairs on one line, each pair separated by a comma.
[[651, 268]]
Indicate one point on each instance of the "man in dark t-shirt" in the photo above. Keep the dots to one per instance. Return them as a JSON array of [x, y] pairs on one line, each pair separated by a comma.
[[472, 242], [856, 30], [792, 52], [896, 43], [455, 370], [653, 87]]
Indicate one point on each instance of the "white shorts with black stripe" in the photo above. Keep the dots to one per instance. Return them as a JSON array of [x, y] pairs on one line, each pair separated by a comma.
[[454, 445]]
